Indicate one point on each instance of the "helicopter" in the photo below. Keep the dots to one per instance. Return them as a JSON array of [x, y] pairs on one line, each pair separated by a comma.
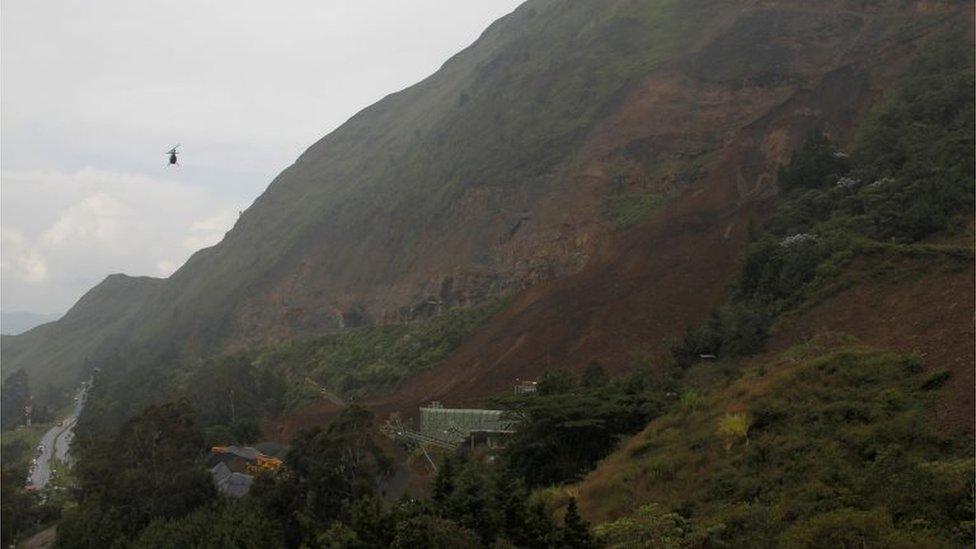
[[172, 155]]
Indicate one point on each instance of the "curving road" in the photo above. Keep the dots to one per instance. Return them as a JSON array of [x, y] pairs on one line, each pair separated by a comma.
[[56, 443]]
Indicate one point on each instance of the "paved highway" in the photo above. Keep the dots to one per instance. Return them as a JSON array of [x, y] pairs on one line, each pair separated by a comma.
[[56, 443]]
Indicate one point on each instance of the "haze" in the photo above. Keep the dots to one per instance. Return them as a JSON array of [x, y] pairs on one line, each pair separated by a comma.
[[93, 94]]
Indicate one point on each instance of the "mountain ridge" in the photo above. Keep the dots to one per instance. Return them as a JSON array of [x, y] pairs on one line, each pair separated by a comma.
[[523, 141], [18, 322]]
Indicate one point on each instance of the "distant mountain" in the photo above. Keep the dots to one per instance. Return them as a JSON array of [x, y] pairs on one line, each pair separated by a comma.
[[17, 322], [96, 326]]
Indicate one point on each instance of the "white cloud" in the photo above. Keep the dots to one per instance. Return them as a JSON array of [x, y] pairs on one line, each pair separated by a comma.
[[209, 231], [165, 267], [33, 268], [94, 222], [215, 223], [98, 218], [18, 261]]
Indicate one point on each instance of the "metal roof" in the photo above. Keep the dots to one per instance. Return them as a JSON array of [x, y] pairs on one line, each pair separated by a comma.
[[230, 483], [245, 452], [454, 424]]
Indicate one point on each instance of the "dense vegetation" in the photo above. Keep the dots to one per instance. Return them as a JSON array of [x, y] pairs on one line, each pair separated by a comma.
[[569, 425], [836, 446], [15, 393], [834, 449], [20, 510], [232, 393], [471, 506], [150, 470], [375, 359], [325, 495], [23, 510], [908, 178]]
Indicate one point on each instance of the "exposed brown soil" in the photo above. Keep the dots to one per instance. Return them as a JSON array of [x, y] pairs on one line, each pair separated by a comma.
[[41, 540], [281, 429], [915, 305], [653, 283], [649, 284], [928, 310]]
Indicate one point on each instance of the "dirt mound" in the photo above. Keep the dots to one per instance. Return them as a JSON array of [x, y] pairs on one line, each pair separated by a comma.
[[283, 428]]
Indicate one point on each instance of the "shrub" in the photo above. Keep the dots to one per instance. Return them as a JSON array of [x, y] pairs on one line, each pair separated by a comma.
[[848, 528], [816, 164], [935, 380], [732, 428]]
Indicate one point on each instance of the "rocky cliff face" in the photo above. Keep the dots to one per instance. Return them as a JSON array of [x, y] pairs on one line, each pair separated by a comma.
[[521, 161]]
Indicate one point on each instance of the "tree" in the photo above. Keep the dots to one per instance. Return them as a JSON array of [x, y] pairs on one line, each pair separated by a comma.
[[443, 483], [340, 536], [238, 524], [431, 532], [649, 527], [540, 530], [492, 502], [325, 472], [817, 163], [150, 470], [233, 392], [19, 509], [562, 436], [594, 376], [14, 394], [849, 528], [374, 525], [555, 383], [576, 532], [470, 506]]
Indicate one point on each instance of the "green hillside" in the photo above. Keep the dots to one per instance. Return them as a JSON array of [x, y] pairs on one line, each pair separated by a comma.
[[542, 173], [416, 199]]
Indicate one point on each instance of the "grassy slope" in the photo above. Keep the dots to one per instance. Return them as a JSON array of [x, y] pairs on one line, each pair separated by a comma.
[[373, 360], [831, 425], [368, 205], [58, 352], [825, 441]]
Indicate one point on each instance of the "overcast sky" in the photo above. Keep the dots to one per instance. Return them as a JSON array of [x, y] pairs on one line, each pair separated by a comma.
[[92, 93]]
